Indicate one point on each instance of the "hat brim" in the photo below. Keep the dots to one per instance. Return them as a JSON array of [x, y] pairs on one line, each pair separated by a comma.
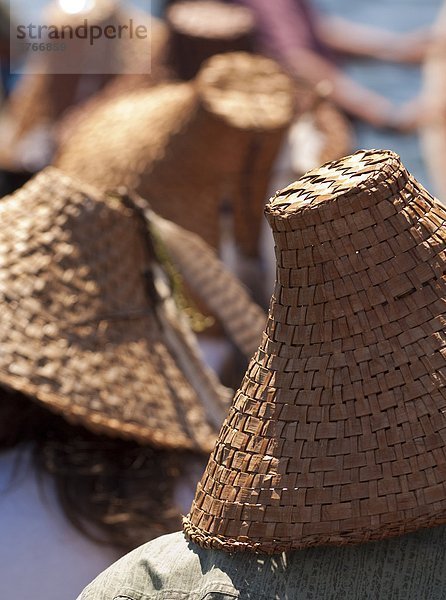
[[134, 373]]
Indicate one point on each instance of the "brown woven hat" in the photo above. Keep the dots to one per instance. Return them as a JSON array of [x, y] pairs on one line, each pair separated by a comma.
[[202, 28], [185, 147], [338, 432], [89, 328]]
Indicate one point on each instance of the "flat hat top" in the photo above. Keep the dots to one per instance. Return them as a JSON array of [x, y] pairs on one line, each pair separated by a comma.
[[210, 19], [249, 91], [340, 178]]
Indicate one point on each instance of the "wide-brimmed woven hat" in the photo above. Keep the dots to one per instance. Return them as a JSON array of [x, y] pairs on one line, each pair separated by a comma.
[[200, 29], [89, 327], [189, 147], [338, 432]]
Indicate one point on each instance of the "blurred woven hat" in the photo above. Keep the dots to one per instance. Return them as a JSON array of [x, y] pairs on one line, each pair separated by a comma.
[[338, 432], [200, 29], [189, 147], [44, 94], [89, 327]]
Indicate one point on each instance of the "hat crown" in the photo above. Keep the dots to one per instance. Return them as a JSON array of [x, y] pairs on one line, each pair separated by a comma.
[[210, 19], [338, 432], [359, 174], [352, 226], [87, 254]]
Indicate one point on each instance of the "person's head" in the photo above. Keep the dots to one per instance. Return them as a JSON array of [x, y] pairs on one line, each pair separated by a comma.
[[99, 373]]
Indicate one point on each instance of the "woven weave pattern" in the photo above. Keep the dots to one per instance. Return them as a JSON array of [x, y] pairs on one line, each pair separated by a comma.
[[337, 434], [81, 330]]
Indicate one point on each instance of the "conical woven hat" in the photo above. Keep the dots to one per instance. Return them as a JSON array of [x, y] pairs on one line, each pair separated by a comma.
[[202, 28], [189, 147], [87, 326], [338, 432]]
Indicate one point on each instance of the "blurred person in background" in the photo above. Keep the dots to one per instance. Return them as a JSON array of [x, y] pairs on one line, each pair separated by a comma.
[[433, 107], [308, 42], [378, 80]]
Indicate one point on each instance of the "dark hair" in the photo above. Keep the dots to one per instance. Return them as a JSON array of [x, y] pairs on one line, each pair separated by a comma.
[[114, 491]]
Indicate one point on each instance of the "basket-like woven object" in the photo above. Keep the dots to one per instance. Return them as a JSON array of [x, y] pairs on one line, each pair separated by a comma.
[[338, 432], [200, 29], [185, 147], [89, 328]]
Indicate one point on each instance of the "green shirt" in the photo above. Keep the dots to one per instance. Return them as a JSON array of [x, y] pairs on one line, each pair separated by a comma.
[[169, 568]]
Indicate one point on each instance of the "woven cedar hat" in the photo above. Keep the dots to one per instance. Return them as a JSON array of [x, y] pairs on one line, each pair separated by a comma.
[[202, 28], [338, 432], [40, 100], [120, 85], [88, 327], [185, 146]]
